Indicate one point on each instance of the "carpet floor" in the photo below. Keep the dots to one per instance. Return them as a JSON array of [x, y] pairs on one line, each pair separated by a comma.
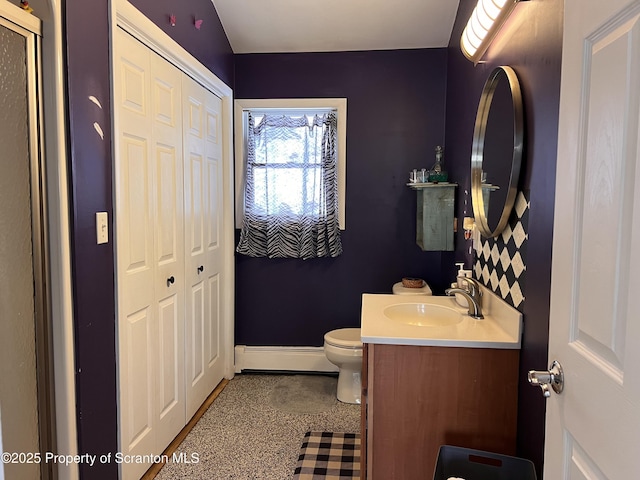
[[254, 429]]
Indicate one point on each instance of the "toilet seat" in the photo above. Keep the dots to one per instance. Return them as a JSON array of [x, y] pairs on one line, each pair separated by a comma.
[[344, 338]]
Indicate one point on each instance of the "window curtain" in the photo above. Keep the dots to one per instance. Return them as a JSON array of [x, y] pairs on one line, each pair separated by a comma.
[[291, 188]]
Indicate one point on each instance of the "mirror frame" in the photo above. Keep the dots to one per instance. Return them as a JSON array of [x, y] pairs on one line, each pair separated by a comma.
[[498, 74]]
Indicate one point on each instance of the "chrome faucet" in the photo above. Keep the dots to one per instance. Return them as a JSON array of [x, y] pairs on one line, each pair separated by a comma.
[[473, 296], [475, 310]]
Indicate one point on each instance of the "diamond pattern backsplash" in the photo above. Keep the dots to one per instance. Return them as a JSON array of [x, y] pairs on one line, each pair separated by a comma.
[[500, 262]]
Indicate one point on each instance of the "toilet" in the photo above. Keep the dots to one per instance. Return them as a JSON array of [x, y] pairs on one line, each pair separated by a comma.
[[343, 348]]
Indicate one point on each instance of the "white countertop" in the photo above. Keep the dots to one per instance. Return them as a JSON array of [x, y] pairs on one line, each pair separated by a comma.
[[501, 327]]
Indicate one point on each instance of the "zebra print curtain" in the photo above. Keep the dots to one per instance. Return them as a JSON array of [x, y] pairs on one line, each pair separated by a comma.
[[291, 189]]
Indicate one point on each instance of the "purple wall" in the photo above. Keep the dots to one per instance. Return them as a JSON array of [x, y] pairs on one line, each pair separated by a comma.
[[531, 43], [395, 118], [90, 160], [93, 265], [209, 44]]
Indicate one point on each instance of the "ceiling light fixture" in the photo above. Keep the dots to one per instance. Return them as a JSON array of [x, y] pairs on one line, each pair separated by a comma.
[[483, 25]]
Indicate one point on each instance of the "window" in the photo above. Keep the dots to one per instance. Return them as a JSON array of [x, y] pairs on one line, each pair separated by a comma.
[[290, 176]]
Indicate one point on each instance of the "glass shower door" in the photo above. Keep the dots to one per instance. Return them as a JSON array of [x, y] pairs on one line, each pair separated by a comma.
[[21, 253]]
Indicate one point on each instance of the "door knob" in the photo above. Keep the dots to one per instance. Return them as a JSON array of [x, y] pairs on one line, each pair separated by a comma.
[[200, 269], [553, 377], [170, 281]]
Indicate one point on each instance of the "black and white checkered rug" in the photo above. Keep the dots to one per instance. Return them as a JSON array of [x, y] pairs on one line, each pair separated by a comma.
[[330, 456]]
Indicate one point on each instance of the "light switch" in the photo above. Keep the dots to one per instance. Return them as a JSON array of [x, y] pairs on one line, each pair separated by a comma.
[[102, 227]]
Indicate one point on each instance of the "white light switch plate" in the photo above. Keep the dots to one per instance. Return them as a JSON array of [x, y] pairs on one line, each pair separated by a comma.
[[102, 227]]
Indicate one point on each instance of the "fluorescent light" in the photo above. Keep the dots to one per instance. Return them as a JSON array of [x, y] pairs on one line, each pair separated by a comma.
[[485, 21]]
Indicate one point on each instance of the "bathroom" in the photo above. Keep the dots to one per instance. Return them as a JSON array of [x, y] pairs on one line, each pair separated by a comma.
[[407, 93], [401, 104]]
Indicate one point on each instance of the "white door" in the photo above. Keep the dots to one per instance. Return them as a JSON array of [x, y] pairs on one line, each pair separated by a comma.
[[593, 426], [203, 264], [149, 224], [168, 247]]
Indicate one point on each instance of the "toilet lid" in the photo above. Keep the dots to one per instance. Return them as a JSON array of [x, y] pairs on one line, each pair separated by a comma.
[[344, 337]]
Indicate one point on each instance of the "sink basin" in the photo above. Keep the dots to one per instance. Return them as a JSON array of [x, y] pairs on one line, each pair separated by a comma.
[[438, 321], [422, 314]]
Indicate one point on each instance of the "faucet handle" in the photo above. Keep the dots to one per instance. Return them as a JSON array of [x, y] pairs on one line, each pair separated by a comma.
[[475, 309], [471, 284], [474, 288], [476, 284]]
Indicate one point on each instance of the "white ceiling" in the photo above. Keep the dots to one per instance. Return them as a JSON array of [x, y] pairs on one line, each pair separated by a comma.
[[270, 26]]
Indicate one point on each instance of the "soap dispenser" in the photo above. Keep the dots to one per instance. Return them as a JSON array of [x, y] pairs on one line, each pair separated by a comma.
[[461, 273], [461, 283]]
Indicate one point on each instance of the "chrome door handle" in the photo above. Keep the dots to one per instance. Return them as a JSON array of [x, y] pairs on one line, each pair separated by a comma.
[[553, 377]]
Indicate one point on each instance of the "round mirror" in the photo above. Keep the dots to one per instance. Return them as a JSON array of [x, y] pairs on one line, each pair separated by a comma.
[[496, 151]]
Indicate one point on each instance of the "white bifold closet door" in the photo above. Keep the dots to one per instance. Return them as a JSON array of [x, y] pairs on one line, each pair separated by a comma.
[[149, 246], [168, 203], [203, 262]]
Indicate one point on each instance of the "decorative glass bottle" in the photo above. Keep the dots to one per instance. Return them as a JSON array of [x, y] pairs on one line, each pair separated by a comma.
[[437, 174]]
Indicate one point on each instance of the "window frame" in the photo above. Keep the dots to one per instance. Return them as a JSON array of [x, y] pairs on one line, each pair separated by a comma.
[[289, 106]]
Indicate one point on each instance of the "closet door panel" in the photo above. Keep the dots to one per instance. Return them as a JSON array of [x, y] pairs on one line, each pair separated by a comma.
[[169, 388], [137, 317], [139, 399], [196, 212], [213, 347], [135, 211], [150, 251], [214, 174], [166, 118], [195, 205], [168, 224], [212, 327], [195, 337], [203, 193], [135, 215], [213, 228]]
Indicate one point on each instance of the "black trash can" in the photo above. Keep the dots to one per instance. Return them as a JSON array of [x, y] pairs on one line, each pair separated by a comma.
[[469, 464]]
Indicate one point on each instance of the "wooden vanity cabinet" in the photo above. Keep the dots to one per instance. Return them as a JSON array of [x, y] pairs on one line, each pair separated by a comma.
[[417, 398]]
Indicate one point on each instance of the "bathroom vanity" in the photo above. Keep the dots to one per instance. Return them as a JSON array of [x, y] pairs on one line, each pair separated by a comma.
[[434, 376]]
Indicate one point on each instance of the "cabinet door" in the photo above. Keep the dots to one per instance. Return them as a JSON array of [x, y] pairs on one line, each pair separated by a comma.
[[434, 215], [203, 263], [422, 397], [149, 224]]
